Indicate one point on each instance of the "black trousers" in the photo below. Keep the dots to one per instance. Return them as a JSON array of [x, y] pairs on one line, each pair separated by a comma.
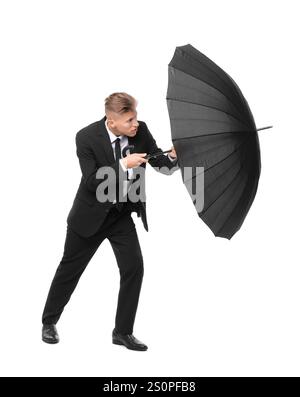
[[120, 230]]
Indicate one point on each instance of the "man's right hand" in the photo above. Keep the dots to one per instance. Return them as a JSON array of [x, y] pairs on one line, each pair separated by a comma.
[[134, 160]]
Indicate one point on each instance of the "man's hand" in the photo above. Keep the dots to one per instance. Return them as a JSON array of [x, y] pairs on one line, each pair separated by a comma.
[[134, 160], [173, 153]]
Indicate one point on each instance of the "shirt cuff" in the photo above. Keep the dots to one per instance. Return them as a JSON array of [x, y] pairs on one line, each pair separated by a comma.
[[122, 165], [171, 158], [130, 173]]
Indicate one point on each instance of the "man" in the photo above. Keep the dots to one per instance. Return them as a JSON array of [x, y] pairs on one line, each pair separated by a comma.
[[93, 219]]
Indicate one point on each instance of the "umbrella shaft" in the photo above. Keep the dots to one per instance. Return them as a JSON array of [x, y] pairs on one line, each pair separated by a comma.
[[149, 156]]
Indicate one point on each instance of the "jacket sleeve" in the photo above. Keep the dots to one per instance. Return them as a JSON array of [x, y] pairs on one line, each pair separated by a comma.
[[88, 164], [161, 163]]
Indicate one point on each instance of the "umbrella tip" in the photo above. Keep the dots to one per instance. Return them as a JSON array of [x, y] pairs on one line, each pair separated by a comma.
[[264, 128]]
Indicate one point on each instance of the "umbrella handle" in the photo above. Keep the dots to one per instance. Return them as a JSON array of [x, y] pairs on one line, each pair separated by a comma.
[[126, 150], [154, 155]]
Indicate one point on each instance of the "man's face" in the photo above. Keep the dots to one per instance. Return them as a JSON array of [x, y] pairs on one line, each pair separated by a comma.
[[123, 124]]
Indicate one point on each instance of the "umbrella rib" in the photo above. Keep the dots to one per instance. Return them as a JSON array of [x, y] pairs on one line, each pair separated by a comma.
[[209, 150], [225, 158], [237, 89], [210, 85], [209, 68], [234, 208], [198, 90], [193, 88], [219, 176], [210, 107], [187, 180], [214, 133], [229, 184], [196, 119]]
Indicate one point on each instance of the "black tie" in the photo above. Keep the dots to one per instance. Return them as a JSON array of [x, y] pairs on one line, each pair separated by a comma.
[[118, 157], [118, 149]]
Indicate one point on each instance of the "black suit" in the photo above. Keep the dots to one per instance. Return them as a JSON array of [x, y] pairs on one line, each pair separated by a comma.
[[90, 222]]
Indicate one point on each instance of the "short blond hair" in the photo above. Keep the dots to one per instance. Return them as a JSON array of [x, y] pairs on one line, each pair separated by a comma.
[[120, 102]]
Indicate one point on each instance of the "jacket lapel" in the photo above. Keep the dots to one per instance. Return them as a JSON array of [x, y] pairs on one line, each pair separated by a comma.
[[106, 144]]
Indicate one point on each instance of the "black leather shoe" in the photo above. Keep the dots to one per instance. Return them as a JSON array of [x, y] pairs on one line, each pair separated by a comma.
[[128, 340], [49, 333]]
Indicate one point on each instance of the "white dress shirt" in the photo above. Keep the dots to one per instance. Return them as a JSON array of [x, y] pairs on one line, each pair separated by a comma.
[[123, 143]]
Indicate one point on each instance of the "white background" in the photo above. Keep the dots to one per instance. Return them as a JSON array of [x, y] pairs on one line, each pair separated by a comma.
[[208, 306]]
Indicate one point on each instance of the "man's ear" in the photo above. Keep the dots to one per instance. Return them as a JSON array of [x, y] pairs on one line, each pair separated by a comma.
[[110, 122]]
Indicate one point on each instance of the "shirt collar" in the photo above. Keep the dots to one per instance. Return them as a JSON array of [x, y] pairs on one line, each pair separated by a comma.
[[112, 136]]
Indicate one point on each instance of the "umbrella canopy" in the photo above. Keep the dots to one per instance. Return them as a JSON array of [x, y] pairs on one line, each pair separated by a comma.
[[212, 127]]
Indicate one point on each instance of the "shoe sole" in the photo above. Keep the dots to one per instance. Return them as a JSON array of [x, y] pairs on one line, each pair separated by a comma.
[[51, 342], [116, 342]]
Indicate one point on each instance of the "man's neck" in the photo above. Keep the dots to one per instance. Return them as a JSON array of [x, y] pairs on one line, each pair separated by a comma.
[[114, 131]]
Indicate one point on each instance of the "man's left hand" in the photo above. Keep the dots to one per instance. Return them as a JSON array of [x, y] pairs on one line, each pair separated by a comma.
[[173, 153]]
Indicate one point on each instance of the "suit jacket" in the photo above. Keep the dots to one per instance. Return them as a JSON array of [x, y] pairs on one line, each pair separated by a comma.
[[94, 150]]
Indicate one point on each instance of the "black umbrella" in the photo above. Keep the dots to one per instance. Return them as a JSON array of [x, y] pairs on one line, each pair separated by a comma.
[[212, 127]]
